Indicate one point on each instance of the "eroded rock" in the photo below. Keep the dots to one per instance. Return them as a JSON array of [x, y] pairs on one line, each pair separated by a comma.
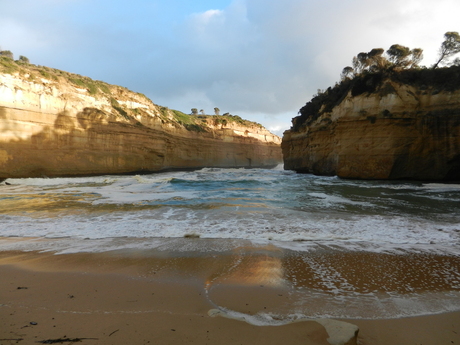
[[53, 128], [398, 131]]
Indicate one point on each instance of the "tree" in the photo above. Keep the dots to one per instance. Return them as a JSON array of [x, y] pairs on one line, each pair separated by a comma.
[[376, 62], [449, 47], [202, 112], [6, 53], [347, 72], [360, 62], [23, 59], [194, 111], [398, 55], [216, 111], [417, 57], [373, 62]]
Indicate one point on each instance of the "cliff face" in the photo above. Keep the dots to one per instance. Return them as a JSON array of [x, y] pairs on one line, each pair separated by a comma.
[[53, 127], [397, 131]]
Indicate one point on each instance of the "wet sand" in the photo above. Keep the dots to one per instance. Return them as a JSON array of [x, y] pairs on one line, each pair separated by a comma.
[[136, 298]]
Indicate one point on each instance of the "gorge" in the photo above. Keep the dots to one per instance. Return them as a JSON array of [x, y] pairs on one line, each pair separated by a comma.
[[54, 123]]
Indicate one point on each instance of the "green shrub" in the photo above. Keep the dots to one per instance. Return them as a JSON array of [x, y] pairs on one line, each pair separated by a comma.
[[195, 127], [45, 74], [23, 59], [183, 118], [115, 105], [104, 88], [92, 89], [225, 119], [6, 53], [88, 84], [8, 65]]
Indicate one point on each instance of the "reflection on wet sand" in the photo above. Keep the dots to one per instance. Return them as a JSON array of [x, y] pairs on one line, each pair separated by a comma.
[[286, 284], [338, 283], [251, 270]]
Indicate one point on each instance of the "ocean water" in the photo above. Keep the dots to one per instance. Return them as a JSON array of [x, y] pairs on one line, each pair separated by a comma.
[[383, 248]]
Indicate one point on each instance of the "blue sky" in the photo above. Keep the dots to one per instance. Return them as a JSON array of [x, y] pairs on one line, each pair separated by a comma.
[[260, 59]]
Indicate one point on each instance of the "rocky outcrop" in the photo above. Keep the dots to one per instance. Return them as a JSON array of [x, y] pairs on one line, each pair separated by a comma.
[[53, 125], [378, 128]]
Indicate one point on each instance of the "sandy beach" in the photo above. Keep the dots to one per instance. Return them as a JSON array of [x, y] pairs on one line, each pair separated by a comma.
[[133, 298]]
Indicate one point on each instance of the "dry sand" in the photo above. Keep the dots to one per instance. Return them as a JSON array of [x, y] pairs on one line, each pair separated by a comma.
[[109, 299]]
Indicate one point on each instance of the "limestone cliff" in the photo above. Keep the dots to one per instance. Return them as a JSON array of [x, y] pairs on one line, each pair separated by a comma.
[[401, 126], [53, 123]]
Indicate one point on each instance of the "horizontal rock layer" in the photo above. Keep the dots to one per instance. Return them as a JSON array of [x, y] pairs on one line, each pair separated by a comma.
[[52, 128], [398, 131]]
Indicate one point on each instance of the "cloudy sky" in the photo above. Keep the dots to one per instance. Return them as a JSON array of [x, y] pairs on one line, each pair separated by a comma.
[[260, 59]]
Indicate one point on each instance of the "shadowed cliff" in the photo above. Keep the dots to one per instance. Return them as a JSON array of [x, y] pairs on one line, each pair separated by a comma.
[[387, 125], [60, 124]]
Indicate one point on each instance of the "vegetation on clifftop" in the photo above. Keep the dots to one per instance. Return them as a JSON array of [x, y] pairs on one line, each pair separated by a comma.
[[33, 72], [96, 88], [399, 64]]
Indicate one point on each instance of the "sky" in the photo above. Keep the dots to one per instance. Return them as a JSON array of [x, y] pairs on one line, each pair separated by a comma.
[[259, 59]]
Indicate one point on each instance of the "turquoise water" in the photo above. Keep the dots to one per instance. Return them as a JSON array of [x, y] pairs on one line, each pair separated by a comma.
[[340, 248], [257, 204]]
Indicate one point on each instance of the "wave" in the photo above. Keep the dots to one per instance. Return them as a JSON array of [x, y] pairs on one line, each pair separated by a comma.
[[254, 204]]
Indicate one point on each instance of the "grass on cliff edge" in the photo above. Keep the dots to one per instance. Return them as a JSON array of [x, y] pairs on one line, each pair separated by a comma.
[[196, 123], [34, 72], [199, 123]]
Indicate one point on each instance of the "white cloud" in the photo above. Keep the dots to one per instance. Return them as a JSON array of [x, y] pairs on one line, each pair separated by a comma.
[[257, 58], [298, 46], [205, 18]]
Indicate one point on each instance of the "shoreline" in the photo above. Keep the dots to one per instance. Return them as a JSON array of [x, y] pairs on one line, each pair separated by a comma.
[[120, 298], [147, 172], [77, 298]]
